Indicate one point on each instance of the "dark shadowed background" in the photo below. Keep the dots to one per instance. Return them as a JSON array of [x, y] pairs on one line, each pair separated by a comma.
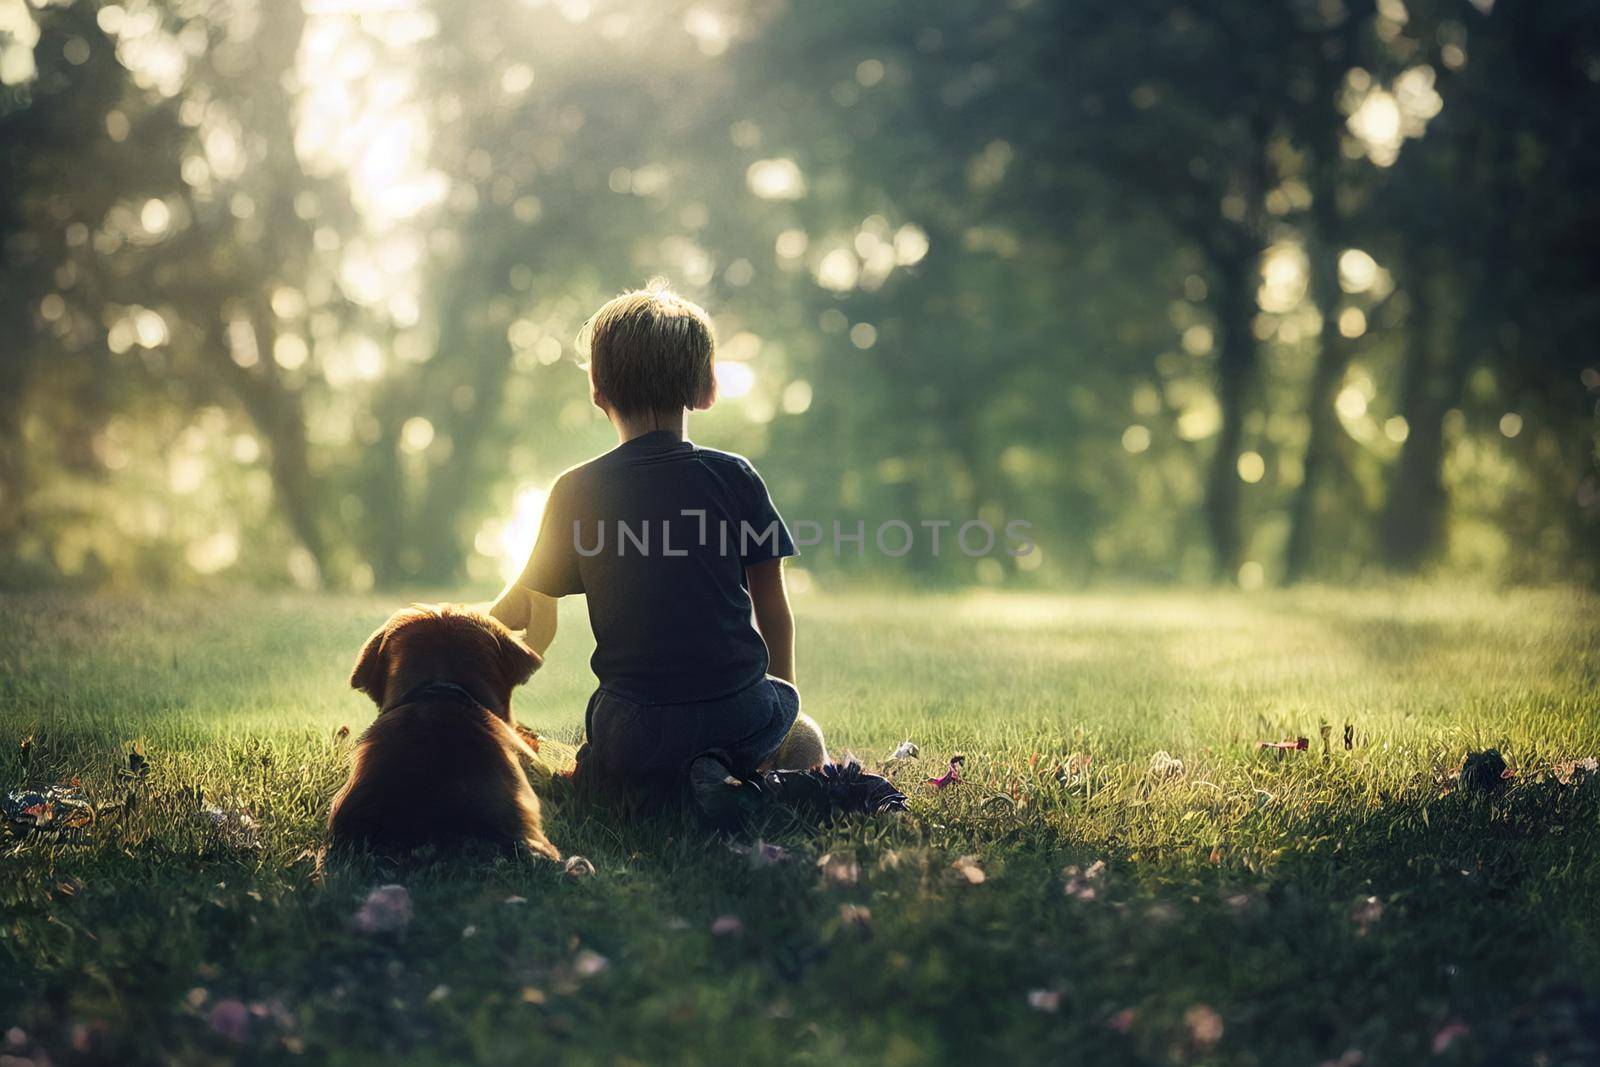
[[1254, 291]]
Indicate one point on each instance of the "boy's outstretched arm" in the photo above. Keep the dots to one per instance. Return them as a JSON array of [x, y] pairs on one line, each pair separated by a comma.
[[520, 608], [770, 599]]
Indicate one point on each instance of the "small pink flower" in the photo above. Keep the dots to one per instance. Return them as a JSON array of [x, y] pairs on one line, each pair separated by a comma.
[[588, 963], [1366, 913], [1122, 1021], [1205, 1025], [727, 926], [951, 776], [231, 1019], [1449, 1034], [1048, 1000]]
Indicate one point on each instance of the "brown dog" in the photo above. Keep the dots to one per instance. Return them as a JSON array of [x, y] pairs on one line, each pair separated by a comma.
[[443, 761]]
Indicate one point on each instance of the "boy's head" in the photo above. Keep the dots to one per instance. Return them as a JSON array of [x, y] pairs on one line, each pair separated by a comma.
[[650, 352]]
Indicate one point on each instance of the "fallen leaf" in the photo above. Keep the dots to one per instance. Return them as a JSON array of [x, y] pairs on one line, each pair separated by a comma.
[[1044, 1000], [969, 868], [905, 750], [840, 870], [1367, 912], [578, 867], [532, 995], [386, 910], [855, 915], [1571, 771], [438, 993], [1165, 765], [515, 900], [762, 853], [235, 826], [1084, 884]]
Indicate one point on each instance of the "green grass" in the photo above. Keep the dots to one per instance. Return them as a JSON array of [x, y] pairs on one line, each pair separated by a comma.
[[1237, 887]]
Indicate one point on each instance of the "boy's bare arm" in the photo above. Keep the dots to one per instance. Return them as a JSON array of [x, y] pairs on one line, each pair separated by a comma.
[[773, 617], [520, 608]]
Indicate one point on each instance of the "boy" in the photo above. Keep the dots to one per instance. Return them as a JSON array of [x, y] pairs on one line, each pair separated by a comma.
[[677, 547]]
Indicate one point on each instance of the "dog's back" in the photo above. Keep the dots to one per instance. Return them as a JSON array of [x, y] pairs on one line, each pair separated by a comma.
[[437, 773], [439, 766]]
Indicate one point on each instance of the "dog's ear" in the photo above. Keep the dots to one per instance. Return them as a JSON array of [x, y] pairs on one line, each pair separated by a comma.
[[372, 666], [517, 660]]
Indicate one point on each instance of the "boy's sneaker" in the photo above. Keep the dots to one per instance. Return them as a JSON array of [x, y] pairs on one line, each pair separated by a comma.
[[720, 796], [834, 789], [726, 801]]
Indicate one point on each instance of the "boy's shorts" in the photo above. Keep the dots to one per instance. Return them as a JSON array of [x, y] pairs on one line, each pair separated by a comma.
[[628, 740]]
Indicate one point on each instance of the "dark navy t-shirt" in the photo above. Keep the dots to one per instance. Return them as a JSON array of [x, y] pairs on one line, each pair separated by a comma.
[[658, 533]]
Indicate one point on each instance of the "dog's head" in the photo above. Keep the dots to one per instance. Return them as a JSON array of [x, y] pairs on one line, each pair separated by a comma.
[[443, 643]]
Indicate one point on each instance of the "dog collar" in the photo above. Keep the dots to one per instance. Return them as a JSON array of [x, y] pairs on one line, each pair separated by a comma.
[[440, 689]]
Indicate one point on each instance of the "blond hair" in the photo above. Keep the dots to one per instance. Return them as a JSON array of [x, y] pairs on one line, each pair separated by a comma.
[[650, 350]]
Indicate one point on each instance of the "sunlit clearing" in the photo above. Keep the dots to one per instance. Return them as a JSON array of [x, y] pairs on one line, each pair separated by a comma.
[[1377, 122], [839, 270], [1283, 278], [1385, 118], [1352, 322], [1351, 402], [735, 379], [776, 179], [710, 33], [1358, 271], [416, 435], [510, 542], [1201, 419], [1197, 340], [215, 553], [18, 34], [910, 244], [797, 397]]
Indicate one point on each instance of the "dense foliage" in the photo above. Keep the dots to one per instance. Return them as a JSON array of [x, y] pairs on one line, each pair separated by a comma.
[[1259, 291]]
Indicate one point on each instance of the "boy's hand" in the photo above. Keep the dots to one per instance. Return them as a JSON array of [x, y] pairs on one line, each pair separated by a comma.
[[520, 608], [512, 608]]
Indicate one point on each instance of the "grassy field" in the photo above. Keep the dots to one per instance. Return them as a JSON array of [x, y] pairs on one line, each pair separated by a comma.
[[1344, 904]]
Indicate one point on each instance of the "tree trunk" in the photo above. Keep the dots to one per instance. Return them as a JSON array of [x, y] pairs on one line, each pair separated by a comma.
[[277, 417], [1412, 527], [1236, 363], [1328, 237], [1322, 446]]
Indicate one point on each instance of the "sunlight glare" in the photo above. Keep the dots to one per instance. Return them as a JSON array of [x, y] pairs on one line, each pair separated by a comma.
[[735, 379], [512, 541]]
